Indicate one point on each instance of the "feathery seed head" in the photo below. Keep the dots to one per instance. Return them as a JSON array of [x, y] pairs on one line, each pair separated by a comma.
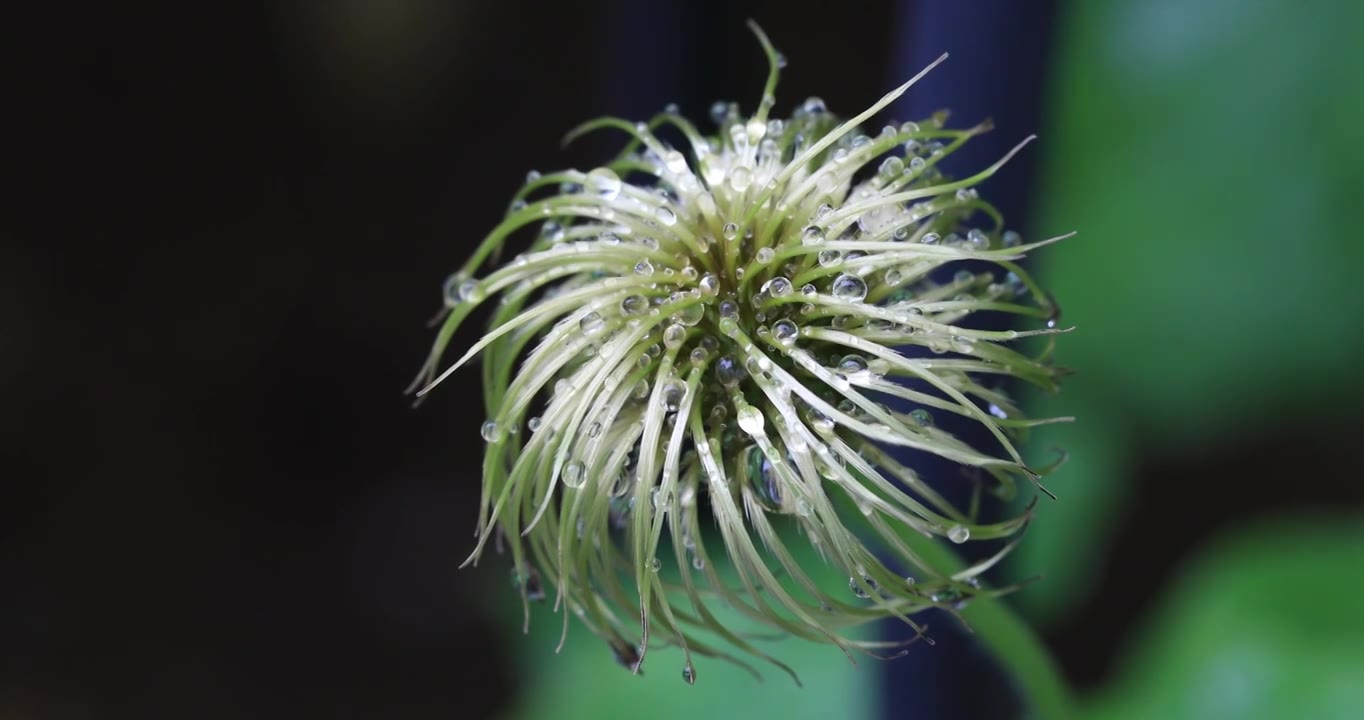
[[706, 348]]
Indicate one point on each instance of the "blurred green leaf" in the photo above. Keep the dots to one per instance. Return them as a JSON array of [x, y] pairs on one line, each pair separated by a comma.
[[1266, 624], [584, 681], [1064, 543], [1211, 156], [1199, 150]]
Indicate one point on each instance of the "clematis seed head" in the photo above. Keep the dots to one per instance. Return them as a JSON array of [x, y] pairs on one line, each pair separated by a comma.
[[722, 344]]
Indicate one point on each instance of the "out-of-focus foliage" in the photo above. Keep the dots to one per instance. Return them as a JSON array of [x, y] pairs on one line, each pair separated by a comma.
[[584, 681], [1263, 625], [1211, 154]]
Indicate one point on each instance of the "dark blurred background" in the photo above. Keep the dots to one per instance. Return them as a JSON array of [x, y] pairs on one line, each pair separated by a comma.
[[233, 222]]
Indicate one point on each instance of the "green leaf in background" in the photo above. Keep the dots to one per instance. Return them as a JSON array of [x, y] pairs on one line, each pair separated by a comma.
[[1264, 625], [584, 681], [1211, 155]]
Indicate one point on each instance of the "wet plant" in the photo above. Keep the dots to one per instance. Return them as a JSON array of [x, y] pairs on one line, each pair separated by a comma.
[[723, 344]]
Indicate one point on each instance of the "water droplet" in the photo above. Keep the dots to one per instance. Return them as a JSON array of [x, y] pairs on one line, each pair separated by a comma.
[[729, 372], [852, 364], [750, 420], [690, 315], [592, 323], [812, 235], [674, 334], [674, 161], [958, 534], [893, 277], [1011, 239], [666, 216], [765, 255], [785, 332], [710, 284], [729, 309], [963, 277], [658, 499], [604, 182], [850, 288], [740, 178], [528, 580], [962, 344], [533, 424], [490, 431], [451, 289], [977, 239], [532, 176], [644, 267], [633, 305], [777, 287], [655, 564], [998, 412], [930, 238], [764, 478], [470, 291], [574, 475], [857, 588], [689, 674], [829, 258], [755, 129], [921, 416], [820, 422], [730, 231], [891, 168], [594, 429]]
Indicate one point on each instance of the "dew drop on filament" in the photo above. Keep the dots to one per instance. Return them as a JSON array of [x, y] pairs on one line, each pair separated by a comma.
[[605, 183], [850, 288], [591, 323]]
